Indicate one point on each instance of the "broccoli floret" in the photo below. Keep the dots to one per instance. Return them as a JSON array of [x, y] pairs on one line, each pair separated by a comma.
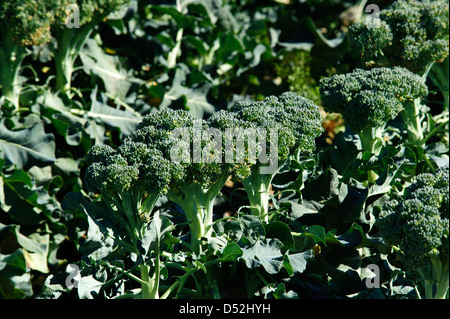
[[417, 224], [22, 24], [368, 99], [130, 180], [412, 34], [271, 132], [70, 40], [197, 172]]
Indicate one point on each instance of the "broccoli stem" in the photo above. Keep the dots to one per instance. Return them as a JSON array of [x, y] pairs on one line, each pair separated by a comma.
[[371, 141], [435, 277], [412, 118], [197, 204], [11, 59], [198, 213], [150, 285], [70, 42], [257, 187]]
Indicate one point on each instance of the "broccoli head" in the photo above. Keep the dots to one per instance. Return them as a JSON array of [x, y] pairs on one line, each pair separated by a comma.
[[412, 34], [196, 169], [130, 180], [89, 10], [22, 24], [278, 128], [26, 22], [417, 224], [368, 99]]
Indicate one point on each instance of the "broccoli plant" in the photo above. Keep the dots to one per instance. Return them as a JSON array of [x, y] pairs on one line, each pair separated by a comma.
[[368, 99], [410, 33], [197, 175], [417, 225], [286, 125], [130, 180], [71, 37], [22, 24]]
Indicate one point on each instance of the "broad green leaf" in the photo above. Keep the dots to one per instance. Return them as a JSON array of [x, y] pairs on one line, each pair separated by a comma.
[[25, 202], [296, 263], [352, 238], [113, 117], [281, 293], [280, 231], [351, 201], [305, 208], [193, 99], [155, 232], [88, 287], [107, 67], [266, 253], [316, 233], [231, 252], [323, 188], [15, 279], [27, 147]]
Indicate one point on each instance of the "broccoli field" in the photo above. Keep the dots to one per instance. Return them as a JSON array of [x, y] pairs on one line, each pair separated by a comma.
[[224, 149]]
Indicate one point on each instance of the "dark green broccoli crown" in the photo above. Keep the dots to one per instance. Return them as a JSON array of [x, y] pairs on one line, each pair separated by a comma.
[[418, 223], [297, 120], [167, 119], [412, 34], [154, 169], [156, 173], [303, 118], [26, 22], [370, 98], [109, 174], [233, 129], [131, 167], [167, 130], [99, 153], [368, 43], [432, 189]]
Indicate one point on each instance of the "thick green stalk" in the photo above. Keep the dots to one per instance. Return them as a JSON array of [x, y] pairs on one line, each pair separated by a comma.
[[257, 187], [150, 284], [11, 59], [371, 139], [198, 210], [197, 204], [412, 118], [372, 142], [70, 41], [435, 278]]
